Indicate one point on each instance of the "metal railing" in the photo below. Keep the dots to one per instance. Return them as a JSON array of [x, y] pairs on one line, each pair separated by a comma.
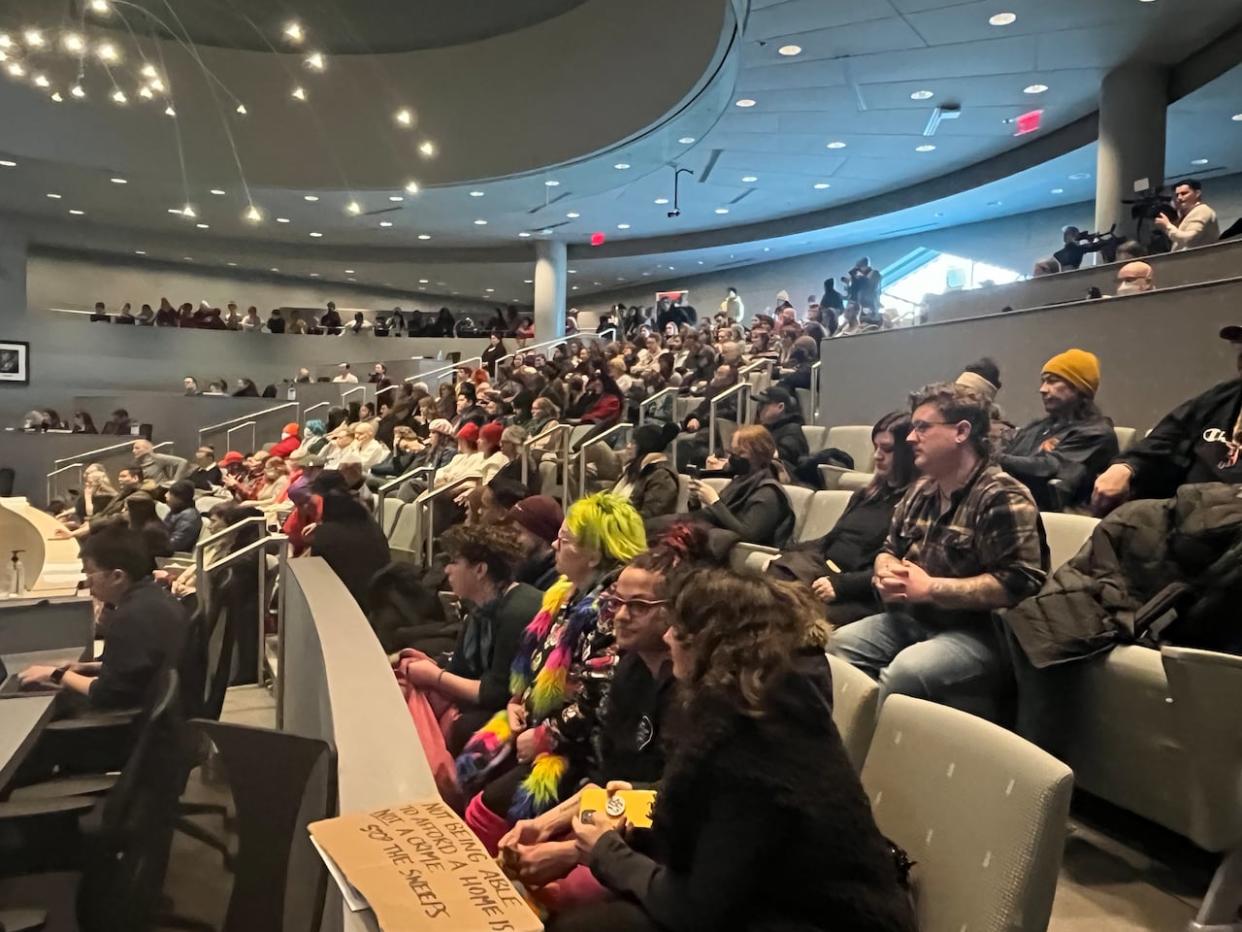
[[253, 427], [350, 391], [744, 374], [90, 456], [650, 402], [530, 442], [306, 415], [438, 374], [427, 501], [552, 344], [816, 375], [582, 453], [381, 391], [742, 388], [396, 484], [203, 431], [203, 571]]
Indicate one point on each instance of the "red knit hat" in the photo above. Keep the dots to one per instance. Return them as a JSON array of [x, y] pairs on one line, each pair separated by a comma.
[[491, 432], [468, 432], [230, 458], [540, 515]]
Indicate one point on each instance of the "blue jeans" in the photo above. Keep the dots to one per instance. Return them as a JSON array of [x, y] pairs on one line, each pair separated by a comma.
[[965, 668]]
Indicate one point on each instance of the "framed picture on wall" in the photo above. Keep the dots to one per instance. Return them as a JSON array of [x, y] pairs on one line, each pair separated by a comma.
[[14, 362]]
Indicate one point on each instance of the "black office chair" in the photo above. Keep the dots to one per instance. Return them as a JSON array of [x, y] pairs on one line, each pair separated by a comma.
[[279, 881], [124, 838]]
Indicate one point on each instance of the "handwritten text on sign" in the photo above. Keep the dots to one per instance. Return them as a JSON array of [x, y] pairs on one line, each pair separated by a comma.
[[420, 867]]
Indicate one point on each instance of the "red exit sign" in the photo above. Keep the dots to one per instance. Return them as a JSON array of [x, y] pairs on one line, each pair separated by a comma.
[[1028, 122]]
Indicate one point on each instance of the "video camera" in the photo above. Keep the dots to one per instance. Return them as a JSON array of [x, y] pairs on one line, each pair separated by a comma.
[[1145, 208]]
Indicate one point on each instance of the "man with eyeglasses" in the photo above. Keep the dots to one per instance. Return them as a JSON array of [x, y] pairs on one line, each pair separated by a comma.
[[965, 542]]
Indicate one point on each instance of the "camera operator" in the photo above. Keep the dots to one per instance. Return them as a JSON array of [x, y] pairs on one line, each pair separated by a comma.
[[1196, 222], [863, 285]]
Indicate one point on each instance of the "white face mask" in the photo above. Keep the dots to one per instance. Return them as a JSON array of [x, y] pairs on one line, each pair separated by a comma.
[[1130, 287]]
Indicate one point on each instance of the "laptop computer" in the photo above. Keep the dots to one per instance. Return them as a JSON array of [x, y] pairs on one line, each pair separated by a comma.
[[12, 688]]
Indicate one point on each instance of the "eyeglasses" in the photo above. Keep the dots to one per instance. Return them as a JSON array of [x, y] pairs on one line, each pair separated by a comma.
[[922, 427], [640, 608]]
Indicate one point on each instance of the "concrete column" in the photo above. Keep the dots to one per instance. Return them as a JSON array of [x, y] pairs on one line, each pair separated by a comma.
[[550, 287], [1134, 103]]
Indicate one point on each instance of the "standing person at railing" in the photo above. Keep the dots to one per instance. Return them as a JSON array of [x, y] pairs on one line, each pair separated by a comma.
[[331, 320], [495, 350]]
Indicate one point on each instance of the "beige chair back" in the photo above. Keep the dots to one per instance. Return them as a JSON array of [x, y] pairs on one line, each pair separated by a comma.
[[1066, 535], [1125, 437], [683, 494], [725, 429], [854, 439], [815, 437], [855, 701], [823, 513], [981, 811], [806, 404], [800, 501]]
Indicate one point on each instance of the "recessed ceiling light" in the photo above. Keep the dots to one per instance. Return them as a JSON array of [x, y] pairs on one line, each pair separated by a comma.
[[202, 226], [76, 212], [575, 288], [72, 42], [40, 80], [551, 183], [424, 236], [316, 235], [836, 145], [922, 95], [140, 252], [925, 147], [573, 271], [1198, 161], [396, 198], [273, 269], [349, 271], [145, 93], [293, 32], [744, 102], [480, 223], [528, 281], [524, 235], [282, 220], [385, 223], [623, 226], [1003, 19], [354, 208], [423, 281], [1034, 88], [119, 97], [106, 52], [314, 274], [1057, 191], [5, 163], [118, 181], [427, 149], [218, 192], [253, 214], [573, 215], [310, 197], [168, 111], [1237, 118], [315, 61], [489, 290], [621, 166], [56, 197], [34, 38], [749, 179], [722, 210], [477, 193], [16, 70], [411, 187], [1080, 176], [686, 140], [298, 93], [188, 258], [821, 186], [188, 211], [789, 51], [56, 97], [661, 200], [231, 264]]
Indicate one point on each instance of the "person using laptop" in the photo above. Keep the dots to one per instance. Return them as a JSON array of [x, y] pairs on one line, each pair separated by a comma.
[[143, 627]]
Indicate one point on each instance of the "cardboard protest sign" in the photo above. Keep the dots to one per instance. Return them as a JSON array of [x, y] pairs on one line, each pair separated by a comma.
[[419, 867]]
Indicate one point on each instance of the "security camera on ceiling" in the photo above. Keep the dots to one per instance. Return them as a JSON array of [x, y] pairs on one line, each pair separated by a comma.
[[674, 213]]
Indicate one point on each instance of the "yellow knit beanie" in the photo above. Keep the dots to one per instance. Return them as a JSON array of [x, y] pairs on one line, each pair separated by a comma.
[[1078, 367]]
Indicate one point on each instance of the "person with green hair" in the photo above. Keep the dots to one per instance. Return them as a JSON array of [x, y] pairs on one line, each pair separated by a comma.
[[535, 753]]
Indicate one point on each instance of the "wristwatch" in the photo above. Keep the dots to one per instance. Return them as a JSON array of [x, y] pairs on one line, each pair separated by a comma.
[[59, 674]]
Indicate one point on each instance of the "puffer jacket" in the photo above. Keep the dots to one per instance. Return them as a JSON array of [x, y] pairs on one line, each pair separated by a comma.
[[1097, 599]]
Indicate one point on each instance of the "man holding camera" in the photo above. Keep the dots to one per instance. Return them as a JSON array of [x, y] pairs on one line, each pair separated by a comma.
[[863, 286], [1196, 224]]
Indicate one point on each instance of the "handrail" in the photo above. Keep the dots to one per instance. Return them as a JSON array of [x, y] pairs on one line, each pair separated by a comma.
[[392, 484], [427, 499], [228, 435], [380, 391], [56, 472], [527, 349], [306, 414], [262, 545], [816, 374], [642, 405], [349, 391], [89, 453], [421, 376], [742, 388], [244, 417], [530, 441], [598, 438]]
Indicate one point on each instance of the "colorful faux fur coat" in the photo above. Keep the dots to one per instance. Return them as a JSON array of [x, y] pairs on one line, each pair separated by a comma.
[[561, 675]]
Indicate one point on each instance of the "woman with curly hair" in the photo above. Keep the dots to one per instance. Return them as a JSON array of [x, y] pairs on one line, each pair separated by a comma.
[[760, 823], [533, 754]]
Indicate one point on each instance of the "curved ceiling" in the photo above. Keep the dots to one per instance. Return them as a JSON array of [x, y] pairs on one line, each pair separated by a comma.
[[354, 28], [860, 78]]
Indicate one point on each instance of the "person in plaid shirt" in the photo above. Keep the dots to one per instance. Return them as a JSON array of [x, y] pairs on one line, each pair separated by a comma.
[[966, 541]]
